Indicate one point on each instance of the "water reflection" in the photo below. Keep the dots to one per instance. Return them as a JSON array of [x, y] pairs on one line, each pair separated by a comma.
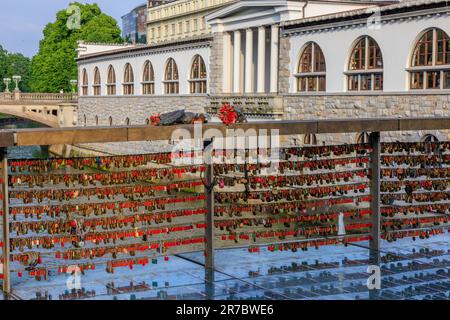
[[22, 152]]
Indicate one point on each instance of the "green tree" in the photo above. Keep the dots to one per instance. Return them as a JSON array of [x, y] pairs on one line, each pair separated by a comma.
[[15, 64], [54, 65], [3, 66]]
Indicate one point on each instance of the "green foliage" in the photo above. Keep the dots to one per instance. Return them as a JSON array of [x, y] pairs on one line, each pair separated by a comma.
[[14, 64], [54, 65]]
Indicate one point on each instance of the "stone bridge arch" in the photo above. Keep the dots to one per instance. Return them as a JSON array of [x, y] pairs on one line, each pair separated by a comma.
[[50, 109]]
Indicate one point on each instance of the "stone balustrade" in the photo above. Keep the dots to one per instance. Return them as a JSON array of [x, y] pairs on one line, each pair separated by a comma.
[[256, 105], [20, 97]]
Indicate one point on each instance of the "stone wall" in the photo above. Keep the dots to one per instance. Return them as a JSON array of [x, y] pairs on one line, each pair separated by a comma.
[[137, 109], [350, 106], [296, 107]]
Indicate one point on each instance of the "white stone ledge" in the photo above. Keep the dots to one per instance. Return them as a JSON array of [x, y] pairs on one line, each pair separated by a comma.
[[369, 93], [166, 96]]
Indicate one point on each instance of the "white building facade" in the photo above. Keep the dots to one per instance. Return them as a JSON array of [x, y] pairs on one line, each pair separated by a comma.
[[284, 60]]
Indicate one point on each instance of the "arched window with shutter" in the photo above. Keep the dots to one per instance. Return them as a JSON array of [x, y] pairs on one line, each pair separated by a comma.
[[363, 138], [311, 72], [365, 69], [198, 75], [148, 79], [97, 86], [111, 83], [128, 80], [84, 83], [171, 77], [430, 63], [310, 139]]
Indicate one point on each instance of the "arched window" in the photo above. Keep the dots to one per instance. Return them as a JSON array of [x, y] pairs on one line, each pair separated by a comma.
[[128, 80], [430, 65], [311, 73], [85, 120], [96, 120], [362, 138], [171, 85], [110, 120], [111, 84], [85, 83], [127, 121], [365, 70], [198, 75], [97, 86], [310, 139], [429, 138], [148, 79]]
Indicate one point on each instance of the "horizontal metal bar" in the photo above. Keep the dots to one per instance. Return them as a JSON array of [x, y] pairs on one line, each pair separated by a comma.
[[47, 136]]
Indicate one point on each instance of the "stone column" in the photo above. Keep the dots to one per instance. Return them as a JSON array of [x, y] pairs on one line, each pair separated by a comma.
[[274, 59], [261, 59], [249, 61], [284, 68], [226, 62], [216, 81], [237, 62]]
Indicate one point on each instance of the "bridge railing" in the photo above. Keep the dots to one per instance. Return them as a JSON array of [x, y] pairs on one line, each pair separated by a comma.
[[38, 97], [367, 178], [62, 97], [7, 96]]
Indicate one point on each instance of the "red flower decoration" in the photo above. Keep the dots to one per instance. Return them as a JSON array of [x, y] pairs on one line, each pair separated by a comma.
[[154, 120], [227, 114]]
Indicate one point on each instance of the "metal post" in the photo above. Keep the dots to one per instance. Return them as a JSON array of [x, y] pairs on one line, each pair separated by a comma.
[[5, 223], [375, 161], [209, 191]]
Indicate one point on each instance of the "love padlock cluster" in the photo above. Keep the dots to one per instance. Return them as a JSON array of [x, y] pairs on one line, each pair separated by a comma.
[[306, 197], [415, 189], [124, 210], [127, 211]]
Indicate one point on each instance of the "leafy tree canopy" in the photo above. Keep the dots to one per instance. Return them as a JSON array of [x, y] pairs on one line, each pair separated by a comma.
[[14, 64], [54, 65]]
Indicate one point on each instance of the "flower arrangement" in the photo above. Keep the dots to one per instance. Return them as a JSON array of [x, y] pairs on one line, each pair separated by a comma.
[[155, 120], [228, 114]]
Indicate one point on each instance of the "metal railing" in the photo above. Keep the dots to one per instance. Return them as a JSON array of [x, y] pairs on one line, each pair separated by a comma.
[[372, 159]]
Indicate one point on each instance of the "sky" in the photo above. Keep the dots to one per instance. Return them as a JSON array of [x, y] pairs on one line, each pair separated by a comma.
[[22, 21]]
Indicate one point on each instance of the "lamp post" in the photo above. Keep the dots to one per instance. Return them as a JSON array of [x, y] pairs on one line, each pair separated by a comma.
[[73, 83], [7, 81], [17, 79]]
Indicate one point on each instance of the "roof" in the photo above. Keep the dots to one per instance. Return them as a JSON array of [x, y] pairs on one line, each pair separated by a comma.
[[143, 47], [383, 8]]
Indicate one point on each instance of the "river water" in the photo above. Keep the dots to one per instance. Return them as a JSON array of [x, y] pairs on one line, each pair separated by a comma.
[[25, 152]]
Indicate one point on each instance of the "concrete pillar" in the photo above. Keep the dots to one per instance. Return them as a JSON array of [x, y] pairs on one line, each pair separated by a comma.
[[249, 61], [67, 115], [237, 62], [226, 62], [261, 60], [274, 42]]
